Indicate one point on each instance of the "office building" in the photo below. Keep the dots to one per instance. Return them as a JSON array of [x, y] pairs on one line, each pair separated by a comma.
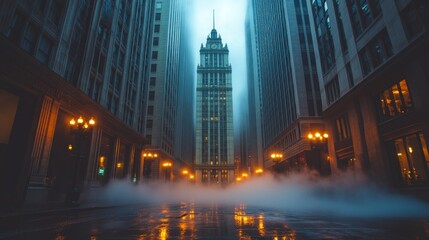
[[284, 87], [171, 77], [62, 60], [374, 80], [214, 136]]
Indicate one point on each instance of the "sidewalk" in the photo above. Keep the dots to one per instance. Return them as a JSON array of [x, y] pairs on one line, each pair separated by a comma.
[[50, 209]]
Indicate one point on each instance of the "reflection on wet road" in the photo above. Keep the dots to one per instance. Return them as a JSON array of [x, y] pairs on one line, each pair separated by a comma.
[[192, 221]]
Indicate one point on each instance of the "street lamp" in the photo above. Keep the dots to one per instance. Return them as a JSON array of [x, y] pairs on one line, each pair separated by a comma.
[[167, 167], [318, 144], [148, 158], [276, 157], [318, 137], [80, 128]]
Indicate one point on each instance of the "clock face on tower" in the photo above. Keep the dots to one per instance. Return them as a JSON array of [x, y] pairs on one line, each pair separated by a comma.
[[214, 46]]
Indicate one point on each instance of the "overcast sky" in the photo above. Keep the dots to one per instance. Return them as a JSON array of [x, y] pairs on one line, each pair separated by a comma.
[[229, 23]]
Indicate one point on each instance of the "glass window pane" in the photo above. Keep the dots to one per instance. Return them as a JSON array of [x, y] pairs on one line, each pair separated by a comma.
[[403, 163], [397, 98], [383, 105], [425, 149], [416, 159], [405, 94], [389, 103]]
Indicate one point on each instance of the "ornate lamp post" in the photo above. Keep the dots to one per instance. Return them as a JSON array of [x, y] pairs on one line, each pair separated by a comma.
[[187, 175], [276, 157], [318, 143], [148, 158], [259, 171], [167, 167], [80, 129]]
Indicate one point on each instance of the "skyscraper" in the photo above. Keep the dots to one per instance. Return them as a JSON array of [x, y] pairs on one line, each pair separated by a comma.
[[62, 60], [214, 158], [374, 58], [169, 73], [283, 77]]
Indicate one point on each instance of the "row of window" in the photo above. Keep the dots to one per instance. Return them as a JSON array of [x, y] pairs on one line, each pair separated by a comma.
[[409, 154], [376, 52], [323, 32], [362, 14], [30, 37], [392, 102], [215, 60], [415, 17]]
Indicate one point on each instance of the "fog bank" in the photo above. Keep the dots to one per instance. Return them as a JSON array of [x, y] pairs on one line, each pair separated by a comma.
[[346, 195]]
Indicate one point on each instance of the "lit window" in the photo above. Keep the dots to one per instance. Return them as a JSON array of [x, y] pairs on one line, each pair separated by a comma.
[[394, 101], [411, 153]]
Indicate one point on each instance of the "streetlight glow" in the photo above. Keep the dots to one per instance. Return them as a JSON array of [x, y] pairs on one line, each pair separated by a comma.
[[72, 122], [166, 164], [80, 120], [91, 121]]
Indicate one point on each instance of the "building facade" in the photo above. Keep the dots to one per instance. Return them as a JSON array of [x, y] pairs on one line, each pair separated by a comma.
[[168, 76], [61, 60], [284, 77], [214, 137], [374, 57]]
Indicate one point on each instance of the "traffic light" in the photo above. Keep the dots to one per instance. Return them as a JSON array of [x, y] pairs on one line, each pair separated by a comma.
[[101, 166]]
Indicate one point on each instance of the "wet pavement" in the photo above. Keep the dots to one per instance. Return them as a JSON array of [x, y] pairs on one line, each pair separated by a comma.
[[192, 221]]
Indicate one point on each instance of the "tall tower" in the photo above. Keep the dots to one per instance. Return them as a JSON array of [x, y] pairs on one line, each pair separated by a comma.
[[214, 158]]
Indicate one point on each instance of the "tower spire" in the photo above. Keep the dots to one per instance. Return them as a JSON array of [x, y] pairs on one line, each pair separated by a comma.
[[213, 19]]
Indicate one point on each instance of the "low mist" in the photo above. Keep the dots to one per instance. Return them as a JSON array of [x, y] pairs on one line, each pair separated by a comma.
[[348, 195]]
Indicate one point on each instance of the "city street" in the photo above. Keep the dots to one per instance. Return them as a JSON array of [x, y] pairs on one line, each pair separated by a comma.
[[193, 221]]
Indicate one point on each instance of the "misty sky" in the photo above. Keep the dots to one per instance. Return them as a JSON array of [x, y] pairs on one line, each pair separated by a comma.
[[230, 15]]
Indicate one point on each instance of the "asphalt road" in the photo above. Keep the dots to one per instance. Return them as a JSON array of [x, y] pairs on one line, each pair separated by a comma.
[[191, 221]]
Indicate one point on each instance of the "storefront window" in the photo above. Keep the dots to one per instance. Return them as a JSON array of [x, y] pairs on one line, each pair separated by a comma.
[[412, 156]]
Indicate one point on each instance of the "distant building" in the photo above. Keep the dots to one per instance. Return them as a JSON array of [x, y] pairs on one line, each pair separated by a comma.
[[214, 137], [284, 92], [374, 59], [62, 60]]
